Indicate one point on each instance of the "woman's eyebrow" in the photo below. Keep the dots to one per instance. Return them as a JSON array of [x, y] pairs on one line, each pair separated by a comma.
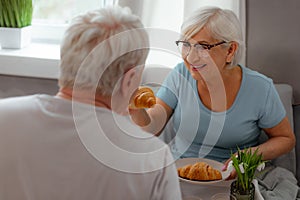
[[198, 42], [202, 42]]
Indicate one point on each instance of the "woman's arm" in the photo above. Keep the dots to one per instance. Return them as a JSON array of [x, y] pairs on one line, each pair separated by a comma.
[[281, 140], [154, 119]]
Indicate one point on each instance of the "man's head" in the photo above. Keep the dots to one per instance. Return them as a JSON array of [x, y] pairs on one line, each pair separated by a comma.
[[100, 47]]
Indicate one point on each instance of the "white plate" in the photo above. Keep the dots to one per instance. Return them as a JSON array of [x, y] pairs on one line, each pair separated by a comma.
[[215, 164]]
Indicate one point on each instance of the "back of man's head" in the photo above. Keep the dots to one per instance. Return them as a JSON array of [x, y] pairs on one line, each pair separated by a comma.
[[99, 47]]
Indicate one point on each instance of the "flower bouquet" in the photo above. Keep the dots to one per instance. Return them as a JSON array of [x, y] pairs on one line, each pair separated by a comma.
[[245, 163]]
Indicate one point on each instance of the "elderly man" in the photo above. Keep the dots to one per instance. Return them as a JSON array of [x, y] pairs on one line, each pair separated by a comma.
[[80, 144]]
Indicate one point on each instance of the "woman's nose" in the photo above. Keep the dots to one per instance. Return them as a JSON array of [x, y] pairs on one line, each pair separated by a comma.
[[192, 56]]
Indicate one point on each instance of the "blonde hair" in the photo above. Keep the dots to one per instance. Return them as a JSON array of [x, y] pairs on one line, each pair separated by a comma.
[[99, 47], [223, 25]]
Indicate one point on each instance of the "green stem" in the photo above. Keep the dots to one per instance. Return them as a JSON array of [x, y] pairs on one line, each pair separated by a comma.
[[1, 16], [5, 15], [16, 13]]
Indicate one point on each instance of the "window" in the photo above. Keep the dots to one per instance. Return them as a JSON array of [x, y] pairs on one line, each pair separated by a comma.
[[168, 15], [50, 18]]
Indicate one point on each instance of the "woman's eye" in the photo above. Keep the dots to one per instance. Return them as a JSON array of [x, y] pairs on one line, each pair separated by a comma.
[[204, 46], [200, 47], [186, 45]]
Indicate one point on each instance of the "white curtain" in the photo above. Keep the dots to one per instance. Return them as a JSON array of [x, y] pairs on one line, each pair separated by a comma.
[[168, 15]]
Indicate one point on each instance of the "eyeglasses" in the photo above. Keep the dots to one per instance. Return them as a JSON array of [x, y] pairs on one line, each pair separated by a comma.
[[185, 47]]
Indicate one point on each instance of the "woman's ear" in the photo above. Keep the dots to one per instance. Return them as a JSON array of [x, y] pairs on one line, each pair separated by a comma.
[[231, 51]]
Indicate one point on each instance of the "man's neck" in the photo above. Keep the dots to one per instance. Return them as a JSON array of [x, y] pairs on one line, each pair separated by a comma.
[[85, 97]]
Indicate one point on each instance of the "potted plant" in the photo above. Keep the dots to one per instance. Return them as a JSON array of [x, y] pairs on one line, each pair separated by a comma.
[[15, 23], [245, 163]]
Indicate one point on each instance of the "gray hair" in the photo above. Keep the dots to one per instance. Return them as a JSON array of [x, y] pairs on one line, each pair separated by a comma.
[[99, 47], [223, 25]]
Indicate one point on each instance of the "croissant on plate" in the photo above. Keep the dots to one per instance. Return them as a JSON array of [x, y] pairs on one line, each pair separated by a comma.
[[199, 171], [143, 98]]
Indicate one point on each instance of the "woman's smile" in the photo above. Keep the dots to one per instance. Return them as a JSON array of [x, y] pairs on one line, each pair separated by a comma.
[[198, 67]]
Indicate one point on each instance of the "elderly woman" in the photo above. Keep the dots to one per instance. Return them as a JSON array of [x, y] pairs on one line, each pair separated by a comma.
[[215, 103]]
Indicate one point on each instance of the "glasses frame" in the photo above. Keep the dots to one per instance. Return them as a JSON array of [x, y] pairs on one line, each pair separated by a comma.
[[204, 46]]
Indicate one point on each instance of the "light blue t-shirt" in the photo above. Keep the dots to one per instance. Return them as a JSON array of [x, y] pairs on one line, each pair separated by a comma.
[[215, 135]]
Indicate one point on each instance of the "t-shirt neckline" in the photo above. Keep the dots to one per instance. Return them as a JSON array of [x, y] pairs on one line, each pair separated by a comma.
[[235, 100]]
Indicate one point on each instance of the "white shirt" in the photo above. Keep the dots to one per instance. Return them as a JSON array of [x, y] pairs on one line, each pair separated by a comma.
[[51, 148]]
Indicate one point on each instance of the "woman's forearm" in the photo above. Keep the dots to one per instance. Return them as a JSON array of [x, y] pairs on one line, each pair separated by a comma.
[[144, 120], [275, 147], [281, 140]]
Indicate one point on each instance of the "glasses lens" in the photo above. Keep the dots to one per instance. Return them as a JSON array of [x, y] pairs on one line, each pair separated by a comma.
[[184, 48], [200, 47]]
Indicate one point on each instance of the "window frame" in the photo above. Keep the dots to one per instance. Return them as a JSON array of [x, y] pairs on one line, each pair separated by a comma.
[[52, 33]]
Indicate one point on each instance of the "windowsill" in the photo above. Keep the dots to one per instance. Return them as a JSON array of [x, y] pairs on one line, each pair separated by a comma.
[[38, 60], [41, 60]]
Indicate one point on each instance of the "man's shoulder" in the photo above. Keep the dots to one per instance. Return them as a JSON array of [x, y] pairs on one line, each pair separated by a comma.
[[9, 102]]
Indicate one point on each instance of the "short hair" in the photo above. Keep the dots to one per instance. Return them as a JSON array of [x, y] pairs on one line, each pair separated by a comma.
[[223, 25], [93, 55]]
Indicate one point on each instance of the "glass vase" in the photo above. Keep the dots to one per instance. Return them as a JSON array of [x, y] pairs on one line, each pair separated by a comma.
[[242, 194]]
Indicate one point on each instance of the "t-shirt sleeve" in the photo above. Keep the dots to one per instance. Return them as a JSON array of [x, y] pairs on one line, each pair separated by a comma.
[[168, 91], [273, 110]]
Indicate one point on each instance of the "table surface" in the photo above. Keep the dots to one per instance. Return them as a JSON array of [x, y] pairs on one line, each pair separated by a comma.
[[205, 191]]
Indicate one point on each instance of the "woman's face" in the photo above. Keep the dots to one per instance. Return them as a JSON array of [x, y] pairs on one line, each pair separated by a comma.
[[203, 64]]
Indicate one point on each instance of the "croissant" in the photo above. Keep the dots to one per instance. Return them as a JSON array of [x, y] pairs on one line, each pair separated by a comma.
[[199, 171], [143, 98]]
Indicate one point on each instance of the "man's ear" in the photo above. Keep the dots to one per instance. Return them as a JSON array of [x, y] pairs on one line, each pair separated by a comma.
[[128, 81], [231, 51]]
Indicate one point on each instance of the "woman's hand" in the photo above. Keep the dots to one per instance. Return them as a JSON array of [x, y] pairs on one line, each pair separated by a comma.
[[153, 119], [143, 97], [228, 166]]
